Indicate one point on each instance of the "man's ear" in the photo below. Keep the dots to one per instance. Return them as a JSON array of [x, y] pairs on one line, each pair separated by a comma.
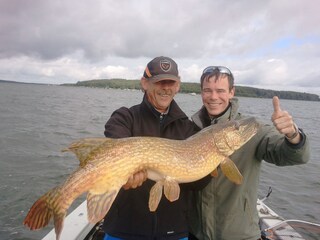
[[232, 92], [144, 84], [178, 86]]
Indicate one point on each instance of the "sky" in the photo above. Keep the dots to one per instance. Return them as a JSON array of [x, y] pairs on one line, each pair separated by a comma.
[[270, 44]]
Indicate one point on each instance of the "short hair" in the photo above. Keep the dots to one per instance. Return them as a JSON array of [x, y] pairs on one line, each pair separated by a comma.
[[217, 74]]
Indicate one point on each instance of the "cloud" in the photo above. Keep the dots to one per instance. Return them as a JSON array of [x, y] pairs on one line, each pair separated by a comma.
[[265, 43]]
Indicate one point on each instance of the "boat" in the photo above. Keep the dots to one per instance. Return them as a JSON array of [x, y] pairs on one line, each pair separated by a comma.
[[273, 226], [77, 227]]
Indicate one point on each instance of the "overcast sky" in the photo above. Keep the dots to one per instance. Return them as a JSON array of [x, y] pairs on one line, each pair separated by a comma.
[[271, 44]]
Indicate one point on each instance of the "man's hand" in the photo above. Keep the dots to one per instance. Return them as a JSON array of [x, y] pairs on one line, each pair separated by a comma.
[[282, 120], [136, 180]]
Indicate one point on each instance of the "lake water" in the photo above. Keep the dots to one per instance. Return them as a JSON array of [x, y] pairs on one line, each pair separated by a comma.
[[37, 121]]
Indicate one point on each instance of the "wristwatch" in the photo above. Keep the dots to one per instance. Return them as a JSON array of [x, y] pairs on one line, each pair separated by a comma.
[[297, 131]]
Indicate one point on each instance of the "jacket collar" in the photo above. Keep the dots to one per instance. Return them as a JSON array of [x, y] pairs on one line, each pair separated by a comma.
[[202, 118]]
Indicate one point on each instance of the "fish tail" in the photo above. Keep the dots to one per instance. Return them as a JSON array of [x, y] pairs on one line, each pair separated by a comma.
[[39, 215], [44, 209]]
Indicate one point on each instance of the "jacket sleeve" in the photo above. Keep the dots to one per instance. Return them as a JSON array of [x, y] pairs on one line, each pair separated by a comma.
[[120, 124], [274, 148]]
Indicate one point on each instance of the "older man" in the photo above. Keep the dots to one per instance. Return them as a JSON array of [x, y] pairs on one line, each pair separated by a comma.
[[157, 115]]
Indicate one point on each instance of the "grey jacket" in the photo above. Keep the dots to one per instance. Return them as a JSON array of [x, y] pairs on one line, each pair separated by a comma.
[[223, 210]]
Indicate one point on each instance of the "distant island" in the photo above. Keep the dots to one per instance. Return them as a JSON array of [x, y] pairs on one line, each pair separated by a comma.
[[186, 87]]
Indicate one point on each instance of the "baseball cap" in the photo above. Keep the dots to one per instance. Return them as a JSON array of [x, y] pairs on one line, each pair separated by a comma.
[[162, 68]]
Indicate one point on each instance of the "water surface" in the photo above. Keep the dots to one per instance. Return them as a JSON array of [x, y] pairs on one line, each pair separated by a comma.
[[37, 121]]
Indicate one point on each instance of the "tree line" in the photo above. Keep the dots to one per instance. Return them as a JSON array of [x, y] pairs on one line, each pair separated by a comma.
[[189, 87]]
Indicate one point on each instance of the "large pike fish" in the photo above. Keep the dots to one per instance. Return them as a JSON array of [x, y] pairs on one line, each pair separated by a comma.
[[106, 164]]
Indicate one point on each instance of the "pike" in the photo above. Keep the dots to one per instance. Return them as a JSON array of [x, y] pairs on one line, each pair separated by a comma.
[[106, 164]]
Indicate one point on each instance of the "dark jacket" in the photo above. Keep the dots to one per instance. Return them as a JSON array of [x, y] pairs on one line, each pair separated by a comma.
[[129, 216]]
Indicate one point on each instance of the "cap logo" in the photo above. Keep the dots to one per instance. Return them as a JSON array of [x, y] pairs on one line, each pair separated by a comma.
[[165, 65]]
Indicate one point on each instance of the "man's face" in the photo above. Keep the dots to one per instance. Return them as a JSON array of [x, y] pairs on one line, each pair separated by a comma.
[[216, 95], [160, 94]]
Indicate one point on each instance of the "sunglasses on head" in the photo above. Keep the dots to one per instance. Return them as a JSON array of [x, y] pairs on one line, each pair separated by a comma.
[[221, 69]]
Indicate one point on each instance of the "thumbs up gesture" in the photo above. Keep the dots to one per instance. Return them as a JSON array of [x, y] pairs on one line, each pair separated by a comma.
[[282, 120]]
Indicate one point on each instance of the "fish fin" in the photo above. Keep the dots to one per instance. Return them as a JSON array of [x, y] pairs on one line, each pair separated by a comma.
[[155, 196], [231, 171], [58, 224], [39, 214], [43, 210], [215, 173], [98, 205], [84, 147], [171, 189]]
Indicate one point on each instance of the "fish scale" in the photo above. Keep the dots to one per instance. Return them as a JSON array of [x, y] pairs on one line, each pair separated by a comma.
[[106, 164]]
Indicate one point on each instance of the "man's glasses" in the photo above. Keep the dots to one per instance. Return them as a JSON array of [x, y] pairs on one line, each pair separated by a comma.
[[212, 69]]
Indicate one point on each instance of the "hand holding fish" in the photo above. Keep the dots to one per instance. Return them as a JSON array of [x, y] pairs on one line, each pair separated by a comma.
[[136, 180], [283, 121]]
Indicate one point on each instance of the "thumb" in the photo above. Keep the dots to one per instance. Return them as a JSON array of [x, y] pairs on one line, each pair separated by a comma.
[[276, 105]]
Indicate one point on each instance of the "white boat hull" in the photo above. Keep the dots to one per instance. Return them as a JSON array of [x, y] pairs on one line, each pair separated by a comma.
[[77, 227], [273, 226]]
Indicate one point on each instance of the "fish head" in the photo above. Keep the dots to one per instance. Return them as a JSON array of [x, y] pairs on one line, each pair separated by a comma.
[[234, 134]]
